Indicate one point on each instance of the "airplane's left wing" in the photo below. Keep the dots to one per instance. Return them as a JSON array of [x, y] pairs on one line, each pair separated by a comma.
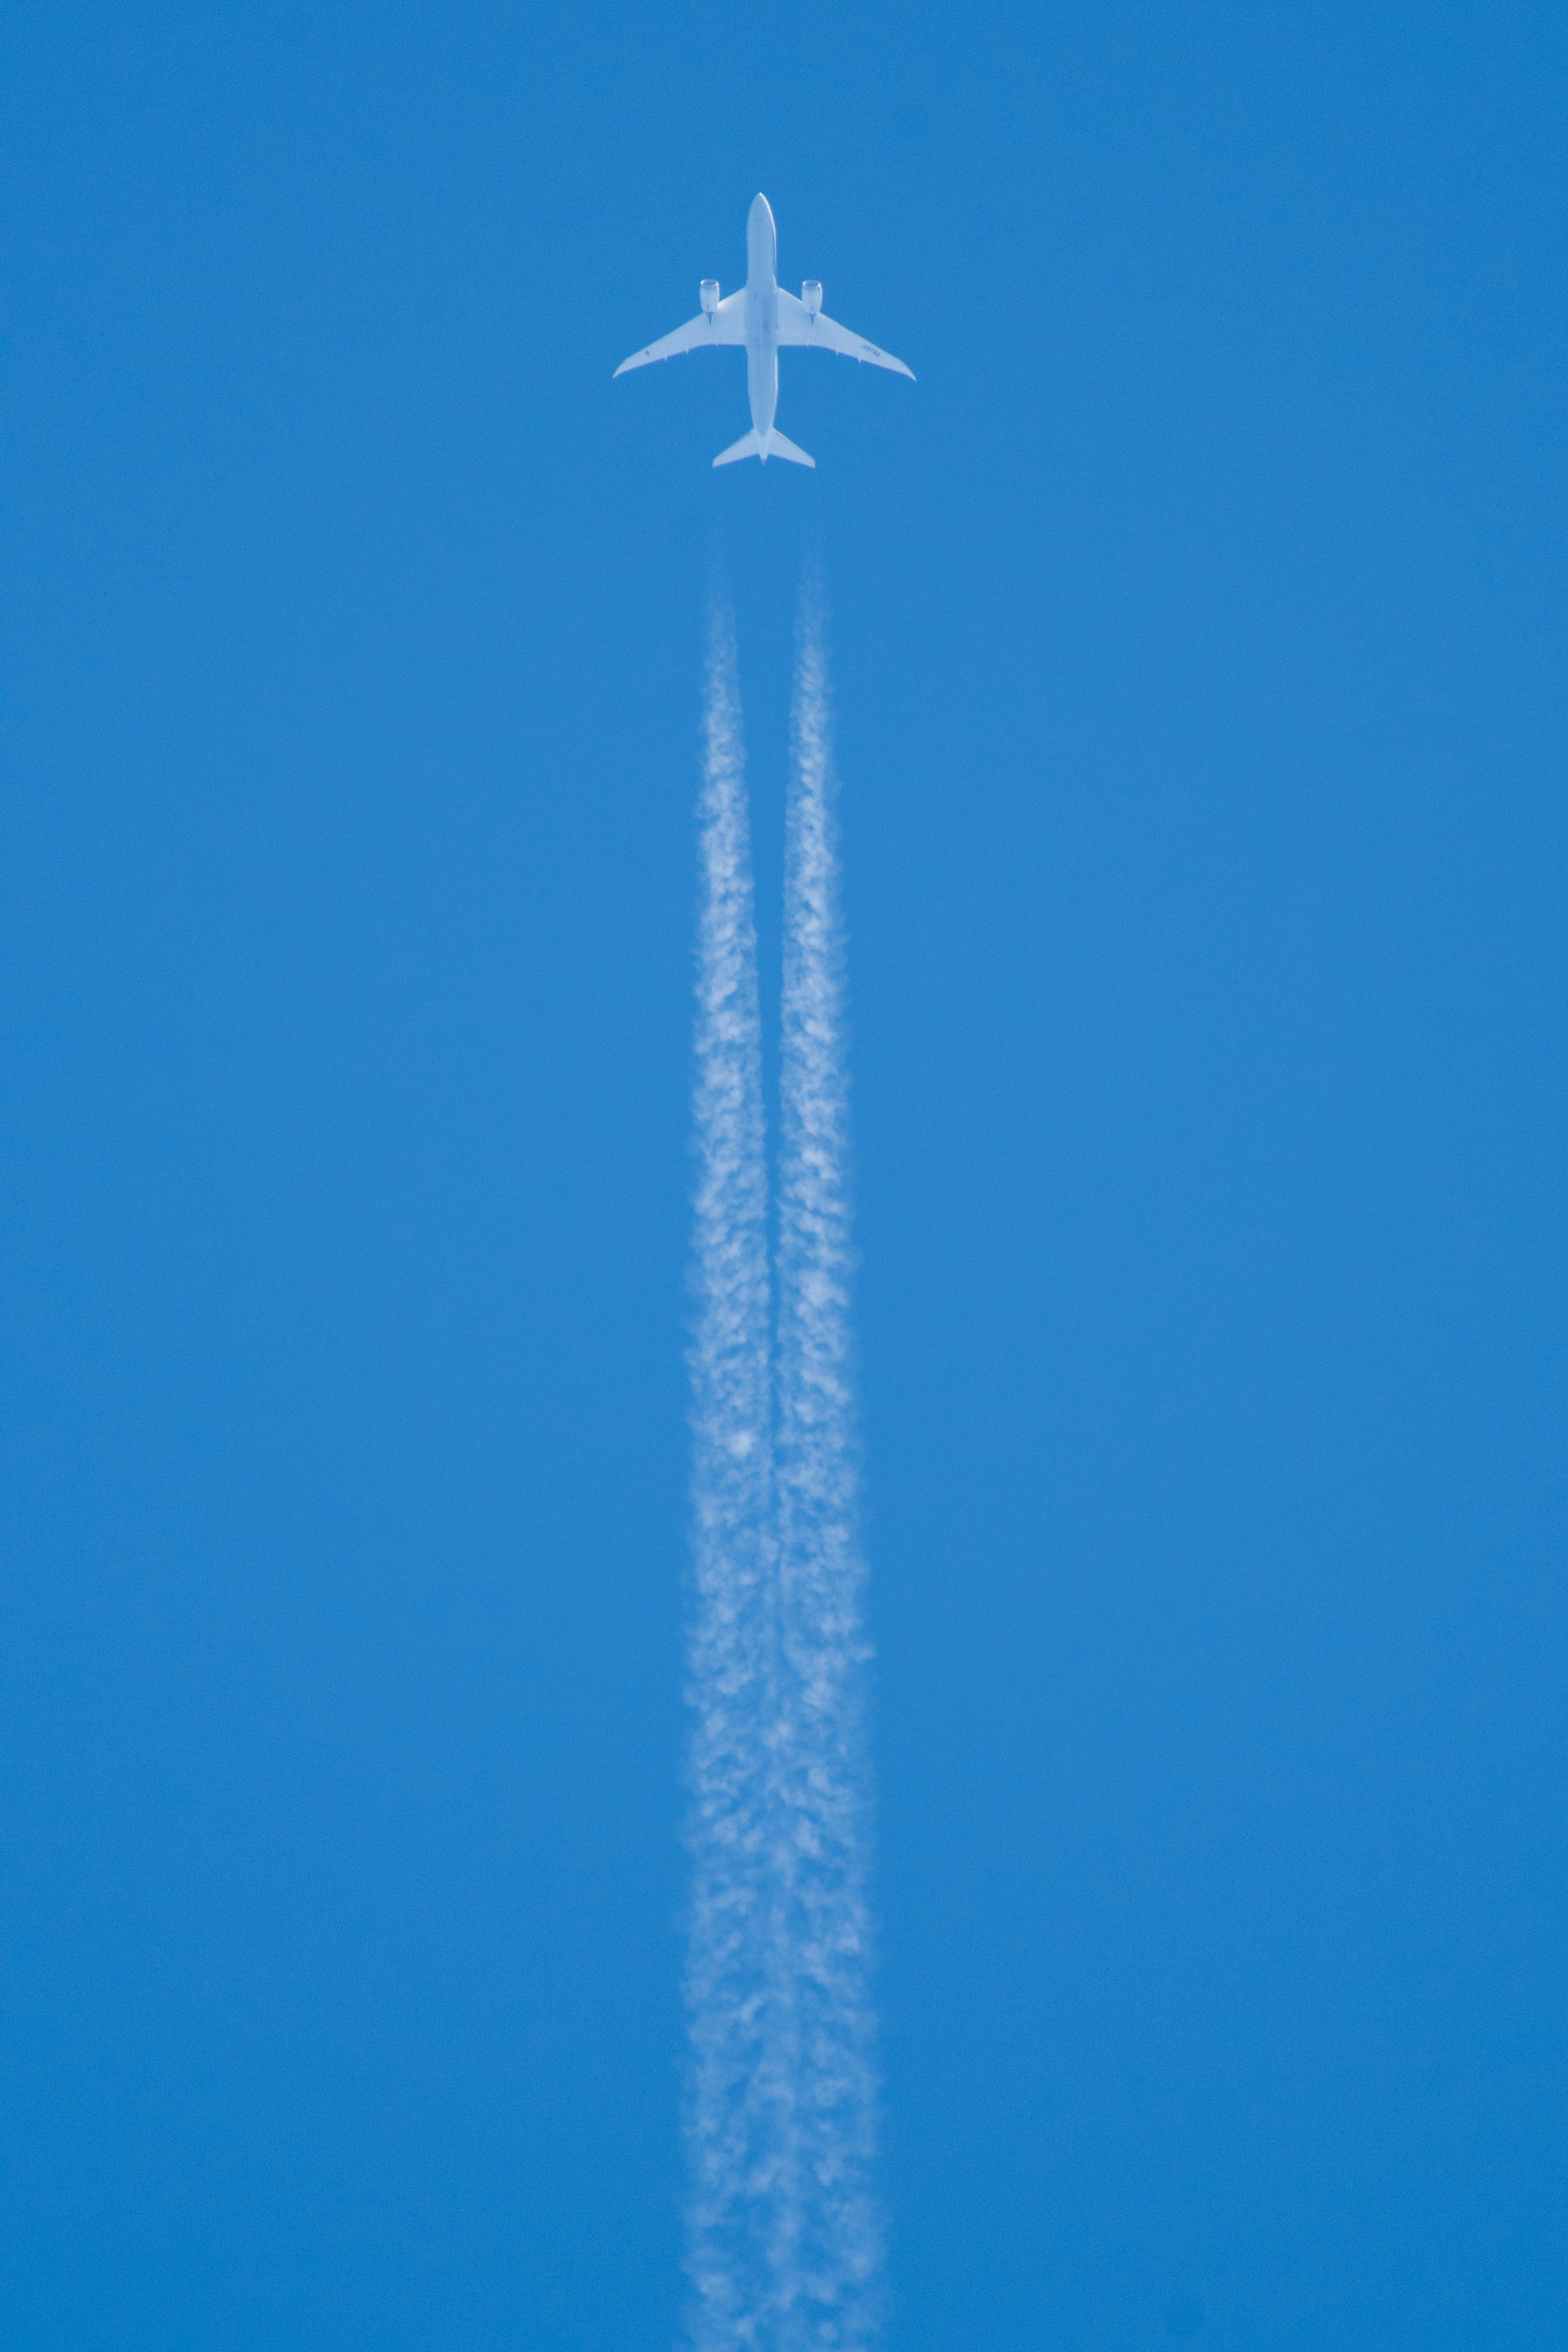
[[726, 324], [799, 325]]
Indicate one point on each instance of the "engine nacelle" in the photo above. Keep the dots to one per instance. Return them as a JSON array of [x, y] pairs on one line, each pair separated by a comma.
[[811, 296], [709, 296]]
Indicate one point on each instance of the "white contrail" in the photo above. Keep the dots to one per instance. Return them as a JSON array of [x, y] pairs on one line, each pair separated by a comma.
[[784, 2247], [821, 1826], [734, 2128]]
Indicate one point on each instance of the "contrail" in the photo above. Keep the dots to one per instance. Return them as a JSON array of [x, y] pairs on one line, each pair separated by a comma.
[[732, 2124], [824, 1829], [783, 2243]]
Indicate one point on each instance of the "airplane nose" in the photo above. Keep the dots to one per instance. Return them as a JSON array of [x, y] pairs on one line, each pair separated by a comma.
[[762, 211]]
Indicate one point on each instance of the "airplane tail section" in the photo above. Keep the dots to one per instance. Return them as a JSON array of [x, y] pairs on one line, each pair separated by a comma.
[[779, 447], [763, 445]]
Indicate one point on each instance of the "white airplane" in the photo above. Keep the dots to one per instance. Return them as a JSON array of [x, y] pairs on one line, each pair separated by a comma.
[[763, 316]]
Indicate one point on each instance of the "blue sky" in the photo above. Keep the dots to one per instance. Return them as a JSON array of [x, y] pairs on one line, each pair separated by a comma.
[[1197, 623]]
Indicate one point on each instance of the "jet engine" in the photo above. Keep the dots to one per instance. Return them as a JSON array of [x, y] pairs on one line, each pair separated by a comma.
[[811, 296], [710, 295]]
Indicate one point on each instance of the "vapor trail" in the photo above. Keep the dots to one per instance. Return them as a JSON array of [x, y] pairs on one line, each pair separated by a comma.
[[733, 2126], [820, 1813], [784, 2249]]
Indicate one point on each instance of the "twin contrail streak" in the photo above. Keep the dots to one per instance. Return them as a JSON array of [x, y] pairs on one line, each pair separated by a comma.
[[783, 2242], [821, 1573], [731, 1657]]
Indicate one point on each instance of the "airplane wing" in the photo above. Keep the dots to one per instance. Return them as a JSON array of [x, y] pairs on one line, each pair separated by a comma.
[[727, 325], [797, 325]]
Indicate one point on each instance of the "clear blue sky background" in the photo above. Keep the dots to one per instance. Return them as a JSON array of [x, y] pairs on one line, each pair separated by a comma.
[[1198, 628]]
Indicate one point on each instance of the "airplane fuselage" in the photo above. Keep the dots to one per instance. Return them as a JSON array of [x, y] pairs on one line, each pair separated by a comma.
[[762, 316]]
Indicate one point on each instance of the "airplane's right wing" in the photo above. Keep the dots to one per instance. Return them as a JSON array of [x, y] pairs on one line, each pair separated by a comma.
[[726, 324], [799, 325]]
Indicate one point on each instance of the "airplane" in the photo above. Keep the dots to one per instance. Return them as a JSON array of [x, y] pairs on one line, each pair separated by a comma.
[[762, 316]]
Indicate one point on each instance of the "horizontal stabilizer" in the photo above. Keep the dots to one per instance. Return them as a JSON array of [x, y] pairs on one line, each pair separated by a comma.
[[779, 447], [753, 445]]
